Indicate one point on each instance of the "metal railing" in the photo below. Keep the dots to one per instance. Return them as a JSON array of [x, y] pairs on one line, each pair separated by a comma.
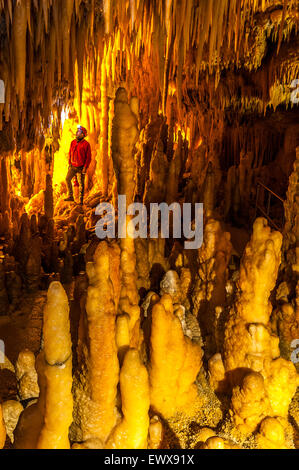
[[266, 209]]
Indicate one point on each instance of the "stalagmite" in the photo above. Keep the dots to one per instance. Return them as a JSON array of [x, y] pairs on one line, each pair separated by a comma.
[[174, 363], [217, 378], [11, 410], [213, 258], [250, 404], [214, 443], [3, 293], [142, 264], [281, 382], [94, 413], [170, 285], [45, 424], [122, 336], [2, 429], [124, 137], [49, 198], [32, 418], [132, 431], [271, 435], [208, 290], [58, 371], [248, 341], [150, 345], [155, 433], [27, 376], [155, 188]]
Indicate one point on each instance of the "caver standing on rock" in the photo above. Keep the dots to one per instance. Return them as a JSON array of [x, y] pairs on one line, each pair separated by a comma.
[[79, 161]]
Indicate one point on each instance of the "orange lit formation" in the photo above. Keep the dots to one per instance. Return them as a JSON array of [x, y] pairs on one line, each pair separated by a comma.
[[139, 343]]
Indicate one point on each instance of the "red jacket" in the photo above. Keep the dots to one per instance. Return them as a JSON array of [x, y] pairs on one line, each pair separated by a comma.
[[80, 154]]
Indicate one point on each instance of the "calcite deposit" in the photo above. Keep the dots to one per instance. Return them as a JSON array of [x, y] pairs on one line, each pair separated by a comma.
[[170, 369], [127, 337]]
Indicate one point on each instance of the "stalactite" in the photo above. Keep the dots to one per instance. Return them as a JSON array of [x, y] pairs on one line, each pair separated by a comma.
[[19, 38]]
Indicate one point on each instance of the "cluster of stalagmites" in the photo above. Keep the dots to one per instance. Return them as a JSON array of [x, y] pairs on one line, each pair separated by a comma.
[[122, 392], [34, 250]]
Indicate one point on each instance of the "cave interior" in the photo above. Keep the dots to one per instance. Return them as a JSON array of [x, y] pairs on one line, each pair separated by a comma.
[[140, 343]]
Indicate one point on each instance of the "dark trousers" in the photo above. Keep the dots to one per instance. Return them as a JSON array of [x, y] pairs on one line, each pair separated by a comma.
[[73, 171]]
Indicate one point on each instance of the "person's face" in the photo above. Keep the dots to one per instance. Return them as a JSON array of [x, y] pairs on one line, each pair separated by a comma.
[[79, 134]]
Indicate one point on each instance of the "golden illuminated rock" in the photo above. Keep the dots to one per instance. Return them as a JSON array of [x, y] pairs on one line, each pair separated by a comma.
[[26, 375], [174, 362], [213, 258], [214, 443], [217, 378], [186, 283], [58, 371], [248, 341], [288, 325], [291, 228], [32, 418], [124, 138], [132, 431], [281, 382], [155, 433], [95, 385], [271, 435], [184, 101], [205, 434], [2, 429], [45, 424], [11, 412], [122, 335], [250, 404]]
